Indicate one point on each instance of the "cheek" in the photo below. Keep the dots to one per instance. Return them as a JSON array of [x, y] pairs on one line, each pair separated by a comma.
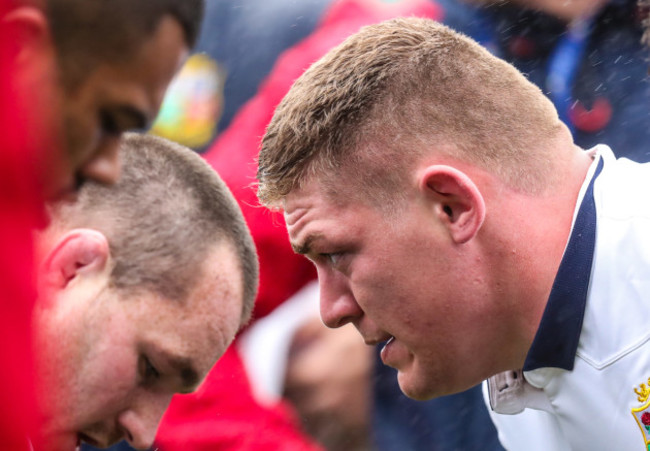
[[81, 133], [108, 380], [401, 281]]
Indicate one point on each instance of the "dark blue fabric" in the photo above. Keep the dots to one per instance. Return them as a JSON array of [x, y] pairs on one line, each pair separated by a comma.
[[556, 340], [449, 423], [122, 446]]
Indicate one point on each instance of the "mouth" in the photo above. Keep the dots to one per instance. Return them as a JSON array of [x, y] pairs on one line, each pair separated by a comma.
[[373, 339]]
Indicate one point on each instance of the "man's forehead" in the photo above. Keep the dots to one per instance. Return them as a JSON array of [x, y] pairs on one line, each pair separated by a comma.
[[315, 193], [189, 344], [218, 299], [313, 218], [302, 204], [205, 322]]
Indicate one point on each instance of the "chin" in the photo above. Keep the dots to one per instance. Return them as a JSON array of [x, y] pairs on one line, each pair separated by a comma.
[[418, 389], [423, 386]]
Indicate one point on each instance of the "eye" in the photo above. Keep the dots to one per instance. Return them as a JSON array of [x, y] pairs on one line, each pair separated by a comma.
[[148, 371], [109, 123], [333, 258], [115, 120]]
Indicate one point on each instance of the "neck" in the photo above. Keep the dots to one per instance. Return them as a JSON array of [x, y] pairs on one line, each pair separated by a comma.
[[528, 243]]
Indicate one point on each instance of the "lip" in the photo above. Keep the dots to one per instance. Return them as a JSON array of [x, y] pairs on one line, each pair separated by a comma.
[[386, 351], [371, 340]]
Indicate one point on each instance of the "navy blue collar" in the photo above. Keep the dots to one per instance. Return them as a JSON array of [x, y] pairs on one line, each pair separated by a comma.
[[556, 340]]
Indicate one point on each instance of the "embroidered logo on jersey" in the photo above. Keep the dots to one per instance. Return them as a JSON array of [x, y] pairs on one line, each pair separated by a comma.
[[642, 413]]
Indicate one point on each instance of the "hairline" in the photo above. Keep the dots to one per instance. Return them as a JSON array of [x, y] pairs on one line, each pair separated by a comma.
[[359, 120], [221, 241]]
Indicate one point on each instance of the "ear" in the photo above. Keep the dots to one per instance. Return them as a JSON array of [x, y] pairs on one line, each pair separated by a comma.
[[30, 34], [456, 199], [78, 252]]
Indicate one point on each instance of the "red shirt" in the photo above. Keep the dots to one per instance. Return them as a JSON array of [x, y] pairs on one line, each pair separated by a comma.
[[20, 211]]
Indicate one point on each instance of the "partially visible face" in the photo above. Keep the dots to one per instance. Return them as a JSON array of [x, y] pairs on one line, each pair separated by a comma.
[[563, 9], [111, 99], [401, 280], [112, 364]]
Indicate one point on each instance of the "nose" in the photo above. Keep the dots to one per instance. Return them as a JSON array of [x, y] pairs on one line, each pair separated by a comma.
[[105, 165], [140, 422], [337, 303]]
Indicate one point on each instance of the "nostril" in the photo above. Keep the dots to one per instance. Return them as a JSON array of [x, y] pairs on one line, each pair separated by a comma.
[[340, 313], [105, 166], [340, 322], [128, 436]]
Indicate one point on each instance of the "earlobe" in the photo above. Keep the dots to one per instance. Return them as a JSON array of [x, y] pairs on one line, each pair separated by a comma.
[[79, 251], [456, 200]]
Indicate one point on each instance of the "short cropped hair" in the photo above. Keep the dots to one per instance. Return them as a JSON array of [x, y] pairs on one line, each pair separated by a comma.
[[398, 90], [87, 32], [168, 210]]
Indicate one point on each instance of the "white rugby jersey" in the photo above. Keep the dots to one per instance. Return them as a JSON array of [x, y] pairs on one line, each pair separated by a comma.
[[585, 384]]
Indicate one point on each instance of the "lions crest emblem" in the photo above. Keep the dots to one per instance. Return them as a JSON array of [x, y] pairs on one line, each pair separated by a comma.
[[642, 413]]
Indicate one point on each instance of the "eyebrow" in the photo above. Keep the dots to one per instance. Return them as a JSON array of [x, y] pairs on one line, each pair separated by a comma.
[[305, 247]]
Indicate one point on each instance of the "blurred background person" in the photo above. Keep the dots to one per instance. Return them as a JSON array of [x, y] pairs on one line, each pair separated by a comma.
[[587, 56]]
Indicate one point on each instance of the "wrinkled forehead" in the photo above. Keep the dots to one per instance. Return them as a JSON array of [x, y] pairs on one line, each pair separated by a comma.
[[312, 192], [335, 187], [346, 190], [313, 215]]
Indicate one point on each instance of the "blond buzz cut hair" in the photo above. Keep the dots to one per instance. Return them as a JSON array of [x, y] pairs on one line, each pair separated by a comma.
[[396, 91]]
